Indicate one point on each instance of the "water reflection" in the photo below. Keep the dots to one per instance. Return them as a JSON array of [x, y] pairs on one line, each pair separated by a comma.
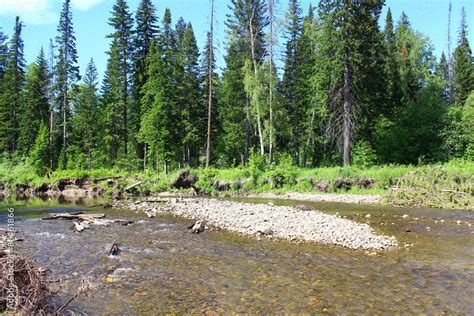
[[164, 269]]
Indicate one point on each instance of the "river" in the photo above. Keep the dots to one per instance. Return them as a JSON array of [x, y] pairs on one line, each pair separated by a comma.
[[162, 268]]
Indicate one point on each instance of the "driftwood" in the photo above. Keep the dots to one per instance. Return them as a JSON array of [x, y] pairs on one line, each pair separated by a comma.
[[130, 187], [103, 205], [71, 216]]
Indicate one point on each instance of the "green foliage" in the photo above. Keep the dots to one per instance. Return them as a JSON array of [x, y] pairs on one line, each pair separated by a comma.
[[364, 155], [463, 64], [40, 154], [11, 91]]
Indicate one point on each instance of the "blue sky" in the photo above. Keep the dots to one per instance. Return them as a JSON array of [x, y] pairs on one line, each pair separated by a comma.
[[90, 21]]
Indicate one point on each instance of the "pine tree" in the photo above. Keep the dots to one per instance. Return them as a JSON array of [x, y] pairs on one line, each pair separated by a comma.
[[118, 81], [146, 32], [11, 98], [86, 123], [67, 71], [36, 106], [463, 64]]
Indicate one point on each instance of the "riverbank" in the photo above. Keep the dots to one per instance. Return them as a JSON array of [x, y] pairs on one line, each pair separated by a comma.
[[298, 223], [449, 185]]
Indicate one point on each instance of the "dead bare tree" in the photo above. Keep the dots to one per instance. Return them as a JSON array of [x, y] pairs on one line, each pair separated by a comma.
[[210, 70]]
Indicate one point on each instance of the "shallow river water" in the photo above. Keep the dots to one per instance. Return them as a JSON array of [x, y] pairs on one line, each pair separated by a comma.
[[164, 268]]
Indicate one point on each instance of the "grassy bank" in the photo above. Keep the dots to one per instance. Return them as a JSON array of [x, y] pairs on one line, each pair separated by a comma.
[[449, 185]]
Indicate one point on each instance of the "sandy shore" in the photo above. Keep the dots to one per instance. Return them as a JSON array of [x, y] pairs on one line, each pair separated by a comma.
[[269, 220]]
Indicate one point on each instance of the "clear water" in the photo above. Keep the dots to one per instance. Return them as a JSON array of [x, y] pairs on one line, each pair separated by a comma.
[[164, 269]]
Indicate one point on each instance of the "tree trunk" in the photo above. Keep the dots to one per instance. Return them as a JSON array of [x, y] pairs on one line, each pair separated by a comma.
[[254, 60], [308, 141], [270, 146], [209, 108], [64, 127], [247, 132], [144, 157], [89, 158], [347, 109]]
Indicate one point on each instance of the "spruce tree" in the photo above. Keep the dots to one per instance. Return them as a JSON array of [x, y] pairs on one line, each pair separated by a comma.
[[86, 123], [156, 129], [39, 157], [357, 45], [66, 71], [246, 41], [160, 125], [36, 105], [118, 75], [193, 113], [209, 67], [463, 64], [3, 54], [289, 84], [11, 98], [443, 73], [145, 33], [391, 70]]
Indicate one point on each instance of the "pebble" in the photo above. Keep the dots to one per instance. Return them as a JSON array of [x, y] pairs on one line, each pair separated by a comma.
[[405, 216], [367, 216], [263, 220]]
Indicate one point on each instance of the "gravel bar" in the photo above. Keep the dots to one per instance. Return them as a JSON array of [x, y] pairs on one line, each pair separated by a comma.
[[291, 223]]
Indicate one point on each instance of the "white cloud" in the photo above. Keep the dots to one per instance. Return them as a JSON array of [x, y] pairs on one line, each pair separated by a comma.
[[84, 5], [30, 11], [41, 11]]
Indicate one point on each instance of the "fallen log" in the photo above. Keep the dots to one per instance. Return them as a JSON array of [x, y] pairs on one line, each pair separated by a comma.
[[71, 216], [130, 187]]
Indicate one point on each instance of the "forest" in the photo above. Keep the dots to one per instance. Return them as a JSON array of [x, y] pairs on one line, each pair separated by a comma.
[[354, 88]]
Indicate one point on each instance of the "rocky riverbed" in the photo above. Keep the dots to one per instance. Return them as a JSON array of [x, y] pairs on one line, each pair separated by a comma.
[[297, 223]]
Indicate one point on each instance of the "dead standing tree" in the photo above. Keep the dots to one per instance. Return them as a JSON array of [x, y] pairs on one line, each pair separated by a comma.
[[210, 70]]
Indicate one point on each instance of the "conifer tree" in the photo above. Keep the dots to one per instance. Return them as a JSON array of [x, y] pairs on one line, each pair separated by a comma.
[[67, 70], [3, 54], [463, 64], [11, 97], [443, 73], [391, 67], [209, 68], [117, 101], [35, 110], [39, 157], [246, 42], [355, 30], [289, 84], [160, 126], [146, 32], [86, 123], [193, 113]]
